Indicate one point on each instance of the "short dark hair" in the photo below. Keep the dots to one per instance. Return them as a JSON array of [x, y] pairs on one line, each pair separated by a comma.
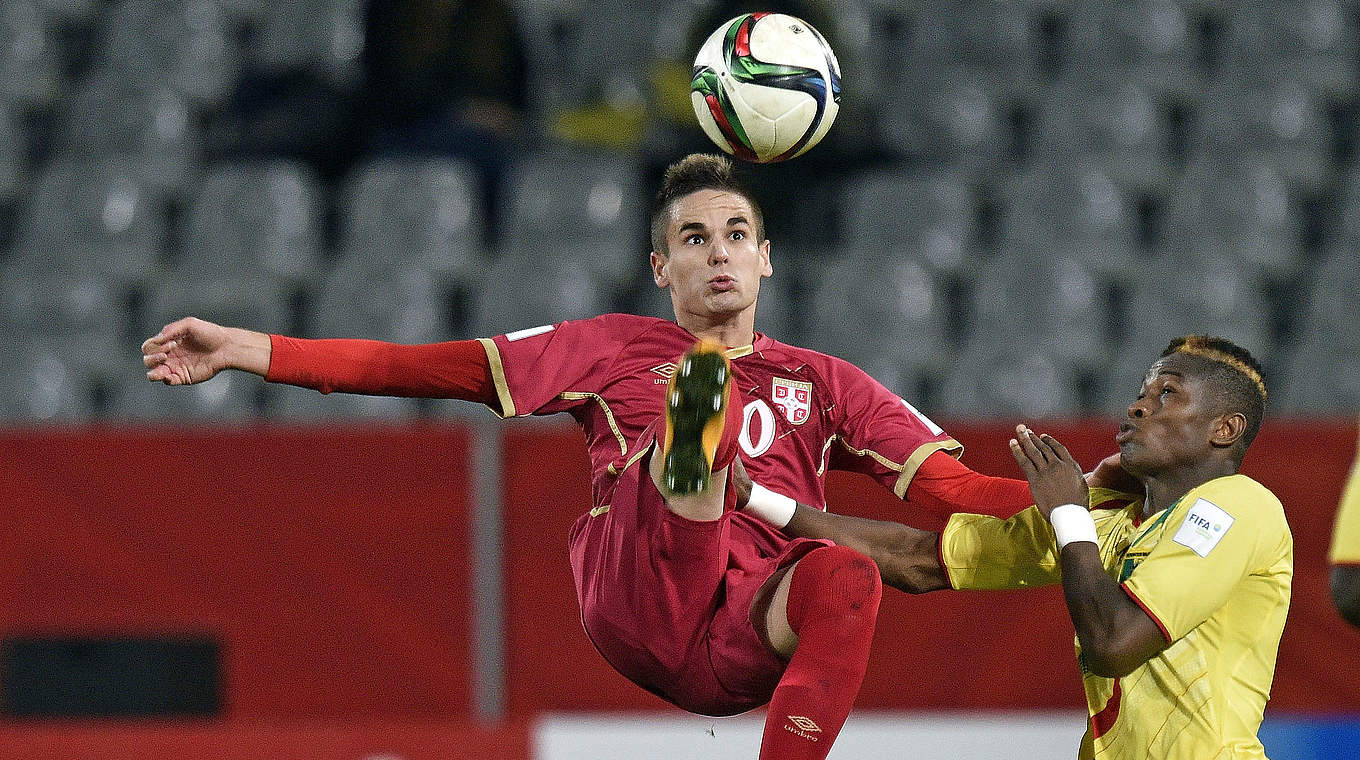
[[1235, 372], [698, 171]]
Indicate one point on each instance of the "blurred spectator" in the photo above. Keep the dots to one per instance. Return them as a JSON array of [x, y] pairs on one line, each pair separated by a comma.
[[443, 77], [446, 77]]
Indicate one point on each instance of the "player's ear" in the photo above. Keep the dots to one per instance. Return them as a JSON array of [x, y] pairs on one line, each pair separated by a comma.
[[660, 275], [1228, 429], [766, 268]]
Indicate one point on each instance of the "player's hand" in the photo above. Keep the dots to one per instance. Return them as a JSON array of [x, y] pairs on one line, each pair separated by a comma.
[[192, 350], [741, 482], [1054, 476], [1112, 475]]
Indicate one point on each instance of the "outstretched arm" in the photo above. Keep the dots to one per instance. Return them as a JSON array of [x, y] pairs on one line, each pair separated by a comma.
[[945, 486], [907, 558], [192, 350], [1116, 634]]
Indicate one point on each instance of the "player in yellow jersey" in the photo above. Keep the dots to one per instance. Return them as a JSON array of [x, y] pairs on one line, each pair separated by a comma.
[[1178, 595], [1345, 554]]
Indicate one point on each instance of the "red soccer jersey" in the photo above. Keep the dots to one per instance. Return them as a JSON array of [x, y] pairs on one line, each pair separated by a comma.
[[805, 412]]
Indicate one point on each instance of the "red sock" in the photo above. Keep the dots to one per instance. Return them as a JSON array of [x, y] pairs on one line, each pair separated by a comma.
[[833, 604]]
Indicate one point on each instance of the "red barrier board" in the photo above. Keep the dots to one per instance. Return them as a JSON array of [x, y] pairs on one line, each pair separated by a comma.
[[283, 740], [331, 563]]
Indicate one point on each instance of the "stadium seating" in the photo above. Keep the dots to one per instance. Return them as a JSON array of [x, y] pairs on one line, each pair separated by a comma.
[[321, 36], [1319, 371], [14, 148], [899, 215], [1080, 207], [111, 114], [591, 203], [185, 45], [402, 304], [30, 57], [263, 217], [1121, 140], [97, 216], [424, 213]]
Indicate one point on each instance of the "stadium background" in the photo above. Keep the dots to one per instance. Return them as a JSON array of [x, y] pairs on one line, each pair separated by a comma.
[[1022, 200]]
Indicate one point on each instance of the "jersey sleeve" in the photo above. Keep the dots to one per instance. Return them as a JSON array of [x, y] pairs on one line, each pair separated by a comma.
[[879, 433], [1346, 532], [453, 369], [531, 369], [1219, 534], [983, 552]]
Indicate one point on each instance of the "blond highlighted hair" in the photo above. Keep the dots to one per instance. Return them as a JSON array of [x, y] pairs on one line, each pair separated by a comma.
[[1238, 375]]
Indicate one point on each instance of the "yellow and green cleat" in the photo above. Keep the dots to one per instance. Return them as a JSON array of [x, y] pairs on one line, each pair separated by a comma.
[[696, 411]]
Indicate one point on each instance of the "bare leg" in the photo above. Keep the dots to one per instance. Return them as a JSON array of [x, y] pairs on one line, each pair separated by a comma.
[[776, 619]]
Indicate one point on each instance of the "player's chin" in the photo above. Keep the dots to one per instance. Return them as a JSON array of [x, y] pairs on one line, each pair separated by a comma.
[[1132, 459], [728, 301]]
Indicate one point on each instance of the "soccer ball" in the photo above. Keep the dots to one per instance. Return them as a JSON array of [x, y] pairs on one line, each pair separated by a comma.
[[766, 87]]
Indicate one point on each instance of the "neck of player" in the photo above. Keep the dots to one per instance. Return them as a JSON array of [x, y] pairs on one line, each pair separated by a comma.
[[731, 330], [1163, 489]]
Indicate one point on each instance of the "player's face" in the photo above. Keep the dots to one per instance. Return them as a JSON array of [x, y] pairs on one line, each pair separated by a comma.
[[714, 262], [1172, 421]]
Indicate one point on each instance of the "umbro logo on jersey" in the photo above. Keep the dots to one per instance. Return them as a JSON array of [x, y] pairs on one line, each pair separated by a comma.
[[665, 370]]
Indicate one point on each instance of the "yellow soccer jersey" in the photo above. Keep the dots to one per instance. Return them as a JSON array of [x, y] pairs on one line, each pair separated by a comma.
[[1346, 533], [1213, 571]]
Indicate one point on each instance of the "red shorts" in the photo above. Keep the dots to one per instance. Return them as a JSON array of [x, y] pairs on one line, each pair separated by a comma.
[[667, 600]]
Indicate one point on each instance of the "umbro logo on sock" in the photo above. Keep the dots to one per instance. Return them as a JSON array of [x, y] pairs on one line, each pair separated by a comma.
[[804, 727]]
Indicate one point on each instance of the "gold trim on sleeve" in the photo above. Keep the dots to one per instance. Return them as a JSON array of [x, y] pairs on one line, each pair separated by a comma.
[[821, 464], [608, 414], [913, 463], [493, 357], [918, 456]]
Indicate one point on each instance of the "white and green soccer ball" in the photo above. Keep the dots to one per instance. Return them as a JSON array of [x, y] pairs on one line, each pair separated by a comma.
[[766, 87]]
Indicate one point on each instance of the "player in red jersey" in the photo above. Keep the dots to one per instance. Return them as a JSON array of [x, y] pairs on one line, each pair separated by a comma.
[[696, 602]]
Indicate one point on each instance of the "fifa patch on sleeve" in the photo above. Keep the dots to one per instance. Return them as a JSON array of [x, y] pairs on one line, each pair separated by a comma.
[[529, 333], [1203, 528]]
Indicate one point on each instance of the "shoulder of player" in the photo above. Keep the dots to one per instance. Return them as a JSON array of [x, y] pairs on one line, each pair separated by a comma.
[[824, 365], [1241, 497], [624, 328], [631, 323]]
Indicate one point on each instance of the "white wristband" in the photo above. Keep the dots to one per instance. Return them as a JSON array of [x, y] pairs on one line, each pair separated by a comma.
[[1072, 522], [769, 506]]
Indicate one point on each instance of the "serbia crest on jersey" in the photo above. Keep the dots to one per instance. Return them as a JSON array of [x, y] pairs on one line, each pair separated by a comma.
[[793, 399]]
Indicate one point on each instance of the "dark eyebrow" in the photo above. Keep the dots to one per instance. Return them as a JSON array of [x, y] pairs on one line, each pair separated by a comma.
[[1172, 372], [699, 226]]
